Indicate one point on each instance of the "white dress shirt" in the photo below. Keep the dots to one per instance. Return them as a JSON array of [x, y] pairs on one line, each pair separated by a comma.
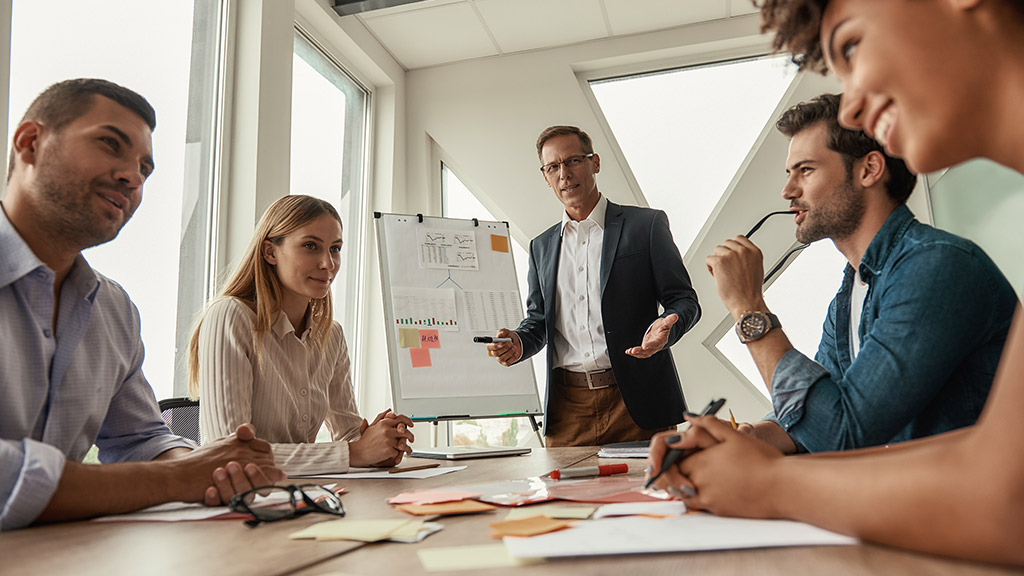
[[294, 388], [580, 343]]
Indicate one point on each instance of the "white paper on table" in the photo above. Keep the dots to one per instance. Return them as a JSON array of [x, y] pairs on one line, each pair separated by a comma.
[[668, 508], [191, 511], [693, 532], [360, 473]]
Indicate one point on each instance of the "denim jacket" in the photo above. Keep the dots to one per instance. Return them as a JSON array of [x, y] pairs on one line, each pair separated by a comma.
[[934, 322]]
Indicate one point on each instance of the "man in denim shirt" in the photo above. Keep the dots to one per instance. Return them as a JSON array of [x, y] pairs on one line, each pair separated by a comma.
[[912, 340]]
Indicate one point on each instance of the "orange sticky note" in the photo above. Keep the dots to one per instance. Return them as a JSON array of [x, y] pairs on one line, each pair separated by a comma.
[[429, 339], [449, 508], [530, 526], [420, 357], [499, 243]]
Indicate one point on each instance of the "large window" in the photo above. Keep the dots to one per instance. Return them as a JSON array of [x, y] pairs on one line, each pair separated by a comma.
[[170, 53], [329, 112], [459, 202]]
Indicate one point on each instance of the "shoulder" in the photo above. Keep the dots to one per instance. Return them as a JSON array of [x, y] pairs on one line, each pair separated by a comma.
[[229, 310], [922, 240], [636, 213]]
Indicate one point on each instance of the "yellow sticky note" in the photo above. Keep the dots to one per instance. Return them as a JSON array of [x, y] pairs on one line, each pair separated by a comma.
[[360, 530], [447, 508], [408, 337], [499, 243], [555, 511], [470, 558]]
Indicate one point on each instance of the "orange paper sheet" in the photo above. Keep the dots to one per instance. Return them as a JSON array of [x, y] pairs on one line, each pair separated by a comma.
[[446, 508], [429, 339], [431, 496], [499, 243], [420, 357], [530, 526]]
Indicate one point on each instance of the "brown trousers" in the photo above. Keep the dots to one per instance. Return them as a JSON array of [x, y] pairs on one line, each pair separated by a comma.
[[585, 417]]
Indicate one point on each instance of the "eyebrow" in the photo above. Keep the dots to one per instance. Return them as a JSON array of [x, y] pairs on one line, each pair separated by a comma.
[[147, 159], [318, 239], [798, 165], [832, 39]]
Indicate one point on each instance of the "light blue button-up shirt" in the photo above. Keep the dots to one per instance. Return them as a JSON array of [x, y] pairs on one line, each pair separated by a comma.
[[61, 393]]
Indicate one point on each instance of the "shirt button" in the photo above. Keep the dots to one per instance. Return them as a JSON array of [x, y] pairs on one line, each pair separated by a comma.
[[305, 417], [580, 269], [582, 298], [46, 332], [586, 354], [303, 392], [583, 328]]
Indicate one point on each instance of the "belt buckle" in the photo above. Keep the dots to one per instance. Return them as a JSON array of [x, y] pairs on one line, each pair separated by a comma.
[[590, 380]]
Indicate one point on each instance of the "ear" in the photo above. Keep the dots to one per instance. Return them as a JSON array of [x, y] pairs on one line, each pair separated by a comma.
[[871, 169], [25, 143], [597, 163], [269, 252]]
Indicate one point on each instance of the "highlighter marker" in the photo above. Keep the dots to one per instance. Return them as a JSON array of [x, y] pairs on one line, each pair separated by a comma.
[[584, 471]]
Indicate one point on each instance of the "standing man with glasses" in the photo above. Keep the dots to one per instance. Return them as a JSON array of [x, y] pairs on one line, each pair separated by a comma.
[[596, 281], [911, 341], [71, 352]]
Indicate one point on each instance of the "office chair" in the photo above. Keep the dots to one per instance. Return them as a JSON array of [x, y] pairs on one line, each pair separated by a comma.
[[182, 415]]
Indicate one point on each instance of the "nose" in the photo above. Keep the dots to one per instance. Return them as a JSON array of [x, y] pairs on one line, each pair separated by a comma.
[[130, 175], [790, 190], [851, 110]]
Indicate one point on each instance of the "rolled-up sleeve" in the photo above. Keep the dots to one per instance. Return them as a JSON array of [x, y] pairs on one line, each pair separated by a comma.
[[29, 474]]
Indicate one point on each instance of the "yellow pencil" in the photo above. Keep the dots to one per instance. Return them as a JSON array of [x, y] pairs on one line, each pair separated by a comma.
[[732, 420]]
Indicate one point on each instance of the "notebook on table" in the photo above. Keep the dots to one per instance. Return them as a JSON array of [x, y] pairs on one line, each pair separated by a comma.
[[466, 452]]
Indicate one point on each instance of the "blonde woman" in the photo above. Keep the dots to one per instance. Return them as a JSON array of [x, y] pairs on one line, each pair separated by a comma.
[[267, 350]]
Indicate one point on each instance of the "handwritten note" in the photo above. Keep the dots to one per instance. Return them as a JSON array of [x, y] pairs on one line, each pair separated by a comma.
[[429, 339]]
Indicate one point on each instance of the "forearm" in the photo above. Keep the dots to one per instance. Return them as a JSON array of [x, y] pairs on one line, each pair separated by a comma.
[[767, 352], [771, 433], [312, 458]]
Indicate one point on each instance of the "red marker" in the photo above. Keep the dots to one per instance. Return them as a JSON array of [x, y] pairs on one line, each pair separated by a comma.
[[606, 470]]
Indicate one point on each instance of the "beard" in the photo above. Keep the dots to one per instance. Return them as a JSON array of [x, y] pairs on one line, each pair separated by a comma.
[[836, 218], [64, 205]]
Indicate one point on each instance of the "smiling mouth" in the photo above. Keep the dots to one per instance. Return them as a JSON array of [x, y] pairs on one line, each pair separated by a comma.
[[113, 200], [570, 188], [882, 130]]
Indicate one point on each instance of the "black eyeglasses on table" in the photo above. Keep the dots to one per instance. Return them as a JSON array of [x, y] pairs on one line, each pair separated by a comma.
[[285, 502], [778, 266]]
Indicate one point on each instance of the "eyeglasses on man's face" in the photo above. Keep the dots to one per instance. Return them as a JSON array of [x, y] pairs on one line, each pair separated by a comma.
[[273, 503], [571, 163]]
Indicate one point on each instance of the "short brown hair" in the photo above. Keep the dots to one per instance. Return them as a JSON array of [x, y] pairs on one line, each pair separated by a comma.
[[552, 131], [851, 145], [64, 102]]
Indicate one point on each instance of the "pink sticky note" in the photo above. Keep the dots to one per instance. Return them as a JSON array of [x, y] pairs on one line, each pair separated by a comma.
[[431, 497], [429, 339], [420, 357]]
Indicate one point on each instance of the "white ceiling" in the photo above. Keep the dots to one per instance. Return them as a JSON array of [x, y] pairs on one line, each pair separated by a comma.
[[435, 32]]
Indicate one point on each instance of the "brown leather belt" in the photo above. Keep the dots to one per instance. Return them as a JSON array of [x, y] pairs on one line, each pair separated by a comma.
[[595, 380]]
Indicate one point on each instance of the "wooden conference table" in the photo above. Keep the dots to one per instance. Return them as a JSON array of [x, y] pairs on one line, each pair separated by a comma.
[[226, 547]]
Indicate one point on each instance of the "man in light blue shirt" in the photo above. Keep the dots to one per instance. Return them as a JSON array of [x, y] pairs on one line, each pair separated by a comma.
[[71, 353], [911, 342]]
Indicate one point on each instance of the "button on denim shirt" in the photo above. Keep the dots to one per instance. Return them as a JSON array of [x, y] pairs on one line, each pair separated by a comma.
[[934, 322]]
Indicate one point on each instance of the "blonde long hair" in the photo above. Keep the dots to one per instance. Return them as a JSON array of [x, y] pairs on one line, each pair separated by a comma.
[[256, 283]]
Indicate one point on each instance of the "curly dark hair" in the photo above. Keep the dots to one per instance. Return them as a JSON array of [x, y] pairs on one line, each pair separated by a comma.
[[797, 26]]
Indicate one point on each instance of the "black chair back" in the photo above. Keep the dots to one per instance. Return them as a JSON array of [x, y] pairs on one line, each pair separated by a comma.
[[182, 416]]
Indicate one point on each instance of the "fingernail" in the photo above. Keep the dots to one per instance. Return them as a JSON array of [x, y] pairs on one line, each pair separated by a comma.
[[690, 415], [673, 439], [650, 470], [220, 475], [689, 491]]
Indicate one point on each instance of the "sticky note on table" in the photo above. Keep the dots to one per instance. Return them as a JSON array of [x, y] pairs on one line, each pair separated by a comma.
[[420, 357], [429, 339], [470, 558], [408, 338], [432, 496], [446, 508], [499, 243], [359, 530], [529, 526], [552, 511]]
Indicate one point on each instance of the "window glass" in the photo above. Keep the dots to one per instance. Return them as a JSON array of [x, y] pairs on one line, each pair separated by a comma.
[[168, 52], [327, 156], [459, 202]]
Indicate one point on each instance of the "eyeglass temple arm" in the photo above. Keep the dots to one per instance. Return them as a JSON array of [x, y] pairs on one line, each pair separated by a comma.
[[765, 219], [778, 266]]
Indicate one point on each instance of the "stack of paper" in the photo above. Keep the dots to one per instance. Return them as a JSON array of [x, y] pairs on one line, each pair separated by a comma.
[[636, 449]]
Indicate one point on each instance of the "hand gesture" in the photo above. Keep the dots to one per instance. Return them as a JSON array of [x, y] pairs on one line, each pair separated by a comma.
[[235, 464], [383, 443], [655, 339], [507, 353], [738, 269]]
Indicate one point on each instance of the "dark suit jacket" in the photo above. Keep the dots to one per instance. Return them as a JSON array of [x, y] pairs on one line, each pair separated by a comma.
[[640, 268]]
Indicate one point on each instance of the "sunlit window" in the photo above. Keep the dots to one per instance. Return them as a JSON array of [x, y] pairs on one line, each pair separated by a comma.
[[459, 202], [168, 52]]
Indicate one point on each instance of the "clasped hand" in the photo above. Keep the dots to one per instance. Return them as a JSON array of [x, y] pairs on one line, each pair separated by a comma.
[[382, 443]]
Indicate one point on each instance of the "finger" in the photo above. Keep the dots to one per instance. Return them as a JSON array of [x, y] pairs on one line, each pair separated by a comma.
[[715, 428], [223, 484], [245, 432], [670, 320], [261, 446], [363, 426], [239, 481], [257, 477], [211, 497]]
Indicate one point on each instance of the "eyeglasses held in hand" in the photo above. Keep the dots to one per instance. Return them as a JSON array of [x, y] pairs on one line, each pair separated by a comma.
[[273, 503], [570, 163], [782, 262]]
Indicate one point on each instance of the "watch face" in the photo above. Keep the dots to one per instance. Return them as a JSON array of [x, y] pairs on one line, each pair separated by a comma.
[[753, 325]]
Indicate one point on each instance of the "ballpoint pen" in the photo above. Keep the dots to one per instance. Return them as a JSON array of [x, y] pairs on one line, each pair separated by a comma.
[[676, 454]]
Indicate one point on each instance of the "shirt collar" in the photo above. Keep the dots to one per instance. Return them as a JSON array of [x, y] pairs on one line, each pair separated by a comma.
[[16, 258], [881, 246], [283, 326], [596, 215]]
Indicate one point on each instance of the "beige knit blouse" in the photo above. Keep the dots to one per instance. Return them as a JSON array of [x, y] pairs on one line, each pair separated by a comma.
[[295, 388]]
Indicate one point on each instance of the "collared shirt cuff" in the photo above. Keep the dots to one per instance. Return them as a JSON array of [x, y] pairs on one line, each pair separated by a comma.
[[793, 378], [41, 470], [800, 448]]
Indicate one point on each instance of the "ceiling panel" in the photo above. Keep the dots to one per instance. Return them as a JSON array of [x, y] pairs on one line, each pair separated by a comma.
[[635, 16], [435, 35], [530, 24], [741, 7]]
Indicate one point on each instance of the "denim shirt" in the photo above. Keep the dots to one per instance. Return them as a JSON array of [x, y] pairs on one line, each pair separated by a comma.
[[934, 322]]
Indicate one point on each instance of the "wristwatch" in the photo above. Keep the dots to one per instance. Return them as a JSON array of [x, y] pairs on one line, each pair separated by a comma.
[[754, 325]]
